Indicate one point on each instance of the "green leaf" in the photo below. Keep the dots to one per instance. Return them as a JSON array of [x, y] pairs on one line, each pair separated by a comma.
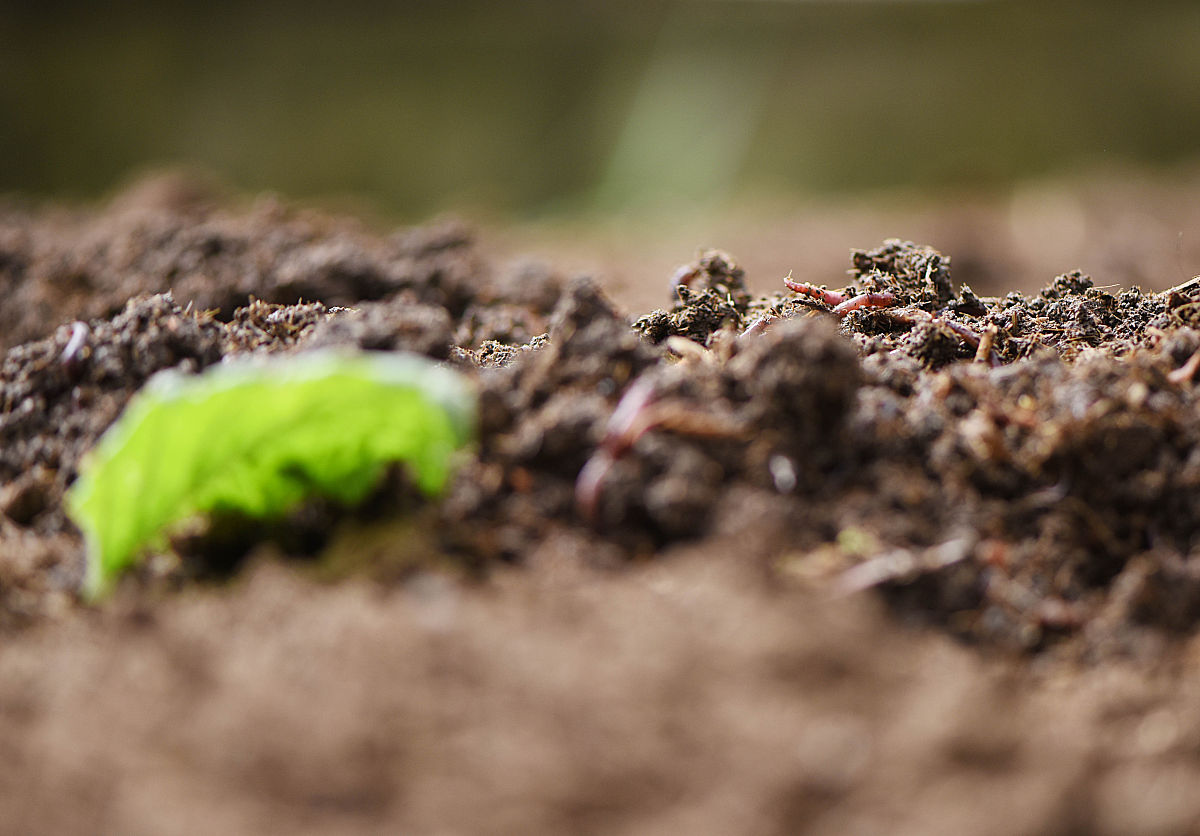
[[257, 436]]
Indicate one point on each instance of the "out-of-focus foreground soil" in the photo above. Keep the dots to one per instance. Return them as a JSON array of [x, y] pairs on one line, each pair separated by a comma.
[[751, 563]]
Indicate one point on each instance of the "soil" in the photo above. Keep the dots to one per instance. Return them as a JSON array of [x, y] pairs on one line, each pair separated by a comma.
[[891, 556]]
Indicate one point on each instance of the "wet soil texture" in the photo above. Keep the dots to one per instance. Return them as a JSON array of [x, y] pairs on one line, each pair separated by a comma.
[[917, 502]]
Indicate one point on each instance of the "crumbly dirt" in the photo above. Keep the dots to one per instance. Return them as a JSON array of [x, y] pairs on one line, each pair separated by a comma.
[[890, 556]]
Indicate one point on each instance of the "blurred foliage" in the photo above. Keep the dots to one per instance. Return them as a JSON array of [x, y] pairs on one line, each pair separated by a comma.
[[533, 107]]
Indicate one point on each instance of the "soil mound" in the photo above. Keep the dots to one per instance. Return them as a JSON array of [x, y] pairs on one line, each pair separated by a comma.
[[1021, 473]]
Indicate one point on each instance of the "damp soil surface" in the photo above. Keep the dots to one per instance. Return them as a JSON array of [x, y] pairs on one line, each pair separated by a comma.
[[879, 555]]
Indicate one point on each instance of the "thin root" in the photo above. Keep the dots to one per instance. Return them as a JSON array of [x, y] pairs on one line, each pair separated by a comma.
[[985, 351]]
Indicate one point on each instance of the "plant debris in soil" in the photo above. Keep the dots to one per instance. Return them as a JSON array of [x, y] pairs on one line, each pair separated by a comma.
[[1021, 471]]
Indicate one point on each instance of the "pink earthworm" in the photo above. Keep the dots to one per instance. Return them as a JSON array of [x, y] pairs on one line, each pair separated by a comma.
[[637, 413], [626, 425], [758, 326], [865, 300], [70, 358], [829, 297], [967, 335]]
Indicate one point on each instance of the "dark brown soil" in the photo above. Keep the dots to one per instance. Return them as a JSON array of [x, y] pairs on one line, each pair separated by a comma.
[[742, 565]]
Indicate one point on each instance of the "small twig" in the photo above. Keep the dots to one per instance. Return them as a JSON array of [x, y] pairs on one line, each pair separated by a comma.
[[1184, 288], [901, 563], [983, 351]]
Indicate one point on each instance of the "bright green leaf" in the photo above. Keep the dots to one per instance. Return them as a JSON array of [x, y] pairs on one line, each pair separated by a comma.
[[257, 436]]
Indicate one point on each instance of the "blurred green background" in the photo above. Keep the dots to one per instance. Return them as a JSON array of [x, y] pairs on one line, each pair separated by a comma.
[[539, 109]]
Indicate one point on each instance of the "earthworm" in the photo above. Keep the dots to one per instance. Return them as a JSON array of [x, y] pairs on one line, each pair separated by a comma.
[[967, 335], [1187, 371], [636, 414], [829, 297], [70, 358], [587, 485], [984, 353], [983, 344], [685, 348], [758, 326], [865, 300], [626, 424]]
